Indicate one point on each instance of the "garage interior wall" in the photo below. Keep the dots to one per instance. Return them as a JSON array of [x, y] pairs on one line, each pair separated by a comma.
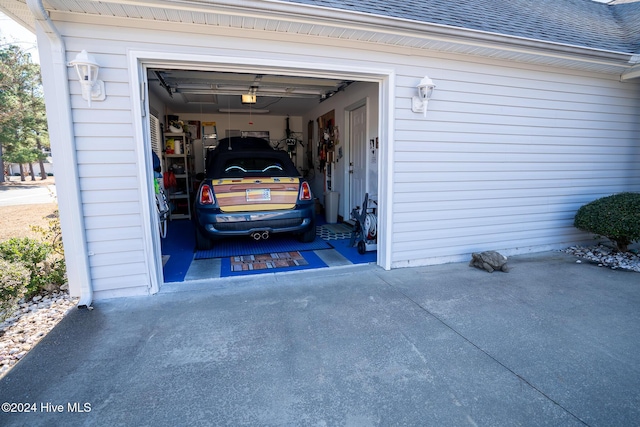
[[357, 92], [505, 156]]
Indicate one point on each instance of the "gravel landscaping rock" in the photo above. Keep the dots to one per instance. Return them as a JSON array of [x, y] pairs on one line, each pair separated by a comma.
[[32, 320], [606, 256]]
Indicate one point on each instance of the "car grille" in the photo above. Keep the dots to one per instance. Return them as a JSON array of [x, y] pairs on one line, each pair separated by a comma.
[[270, 224]]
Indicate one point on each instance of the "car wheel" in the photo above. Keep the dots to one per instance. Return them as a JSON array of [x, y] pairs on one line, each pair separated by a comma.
[[203, 243], [309, 235]]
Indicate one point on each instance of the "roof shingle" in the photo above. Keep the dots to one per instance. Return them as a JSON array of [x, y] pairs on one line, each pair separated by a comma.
[[613, 27]]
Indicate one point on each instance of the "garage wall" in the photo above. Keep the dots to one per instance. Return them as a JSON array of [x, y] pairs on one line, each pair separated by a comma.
[[354, 93], [505, 156], [274, 124]]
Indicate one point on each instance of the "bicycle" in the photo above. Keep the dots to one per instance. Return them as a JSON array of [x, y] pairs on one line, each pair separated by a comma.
[[162, 208]]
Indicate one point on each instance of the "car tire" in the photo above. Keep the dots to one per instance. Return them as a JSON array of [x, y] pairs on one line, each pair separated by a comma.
[[203, 243], [309, 235]]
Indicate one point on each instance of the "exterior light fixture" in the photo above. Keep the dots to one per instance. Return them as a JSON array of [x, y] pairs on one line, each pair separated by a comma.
[[87, 69], [425, 90]]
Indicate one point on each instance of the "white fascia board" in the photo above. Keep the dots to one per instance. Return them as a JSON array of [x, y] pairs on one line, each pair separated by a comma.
[[321, 15], [633, 73]]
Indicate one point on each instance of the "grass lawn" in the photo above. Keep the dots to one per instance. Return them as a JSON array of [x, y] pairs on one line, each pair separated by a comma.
[[15, 221]]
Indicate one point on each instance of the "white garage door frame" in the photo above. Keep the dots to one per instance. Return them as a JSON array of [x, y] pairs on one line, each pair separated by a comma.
[[140, 61]]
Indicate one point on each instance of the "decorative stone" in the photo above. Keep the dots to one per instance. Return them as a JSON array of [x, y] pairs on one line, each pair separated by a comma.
[[22, 330], [605, 256], [489, 261]]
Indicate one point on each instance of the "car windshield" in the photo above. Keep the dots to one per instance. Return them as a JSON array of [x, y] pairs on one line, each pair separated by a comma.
[[240, 167]]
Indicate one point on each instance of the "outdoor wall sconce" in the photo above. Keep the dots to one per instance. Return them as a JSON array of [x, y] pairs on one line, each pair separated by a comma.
[[87, 69], [425, 90]]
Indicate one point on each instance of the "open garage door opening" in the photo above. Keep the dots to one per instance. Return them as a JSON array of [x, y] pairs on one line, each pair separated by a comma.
[[262, 172]]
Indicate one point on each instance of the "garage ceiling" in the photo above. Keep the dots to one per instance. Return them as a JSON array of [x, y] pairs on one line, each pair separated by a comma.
[[209, 92]]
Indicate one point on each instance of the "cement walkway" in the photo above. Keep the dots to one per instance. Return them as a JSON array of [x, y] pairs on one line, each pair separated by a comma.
[[550, 343]]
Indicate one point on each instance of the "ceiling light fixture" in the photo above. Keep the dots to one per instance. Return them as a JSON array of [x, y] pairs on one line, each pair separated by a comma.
[[249, 98]]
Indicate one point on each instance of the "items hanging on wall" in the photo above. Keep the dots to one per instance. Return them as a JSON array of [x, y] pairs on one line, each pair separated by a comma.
[[326, 137]]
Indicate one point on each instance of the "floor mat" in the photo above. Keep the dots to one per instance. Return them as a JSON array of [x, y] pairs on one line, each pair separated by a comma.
[[311, 261], [178, 247], [267, 261], [352, 254], [248, 246], [333, 231], [339, 228]]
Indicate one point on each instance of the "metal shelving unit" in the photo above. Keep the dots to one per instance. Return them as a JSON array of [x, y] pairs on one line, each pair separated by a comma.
[[180, 164]]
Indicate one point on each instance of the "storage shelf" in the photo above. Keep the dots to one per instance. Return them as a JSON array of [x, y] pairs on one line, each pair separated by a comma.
[[182, 161]]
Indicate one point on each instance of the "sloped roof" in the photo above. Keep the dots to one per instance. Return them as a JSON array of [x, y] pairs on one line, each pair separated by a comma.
[[613, 27], [579, 34], [585, 23]]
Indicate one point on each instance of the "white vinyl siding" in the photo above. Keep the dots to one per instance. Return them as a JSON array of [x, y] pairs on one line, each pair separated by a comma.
[[110, 183], [505, 156]]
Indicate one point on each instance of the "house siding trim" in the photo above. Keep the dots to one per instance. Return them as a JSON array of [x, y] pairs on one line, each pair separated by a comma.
[[141, 132], [60, 125], [386, 173]]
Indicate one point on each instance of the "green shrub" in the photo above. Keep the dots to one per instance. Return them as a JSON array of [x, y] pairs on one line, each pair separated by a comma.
[[14, 278], [46, 268], [53, 234], [615, 217]]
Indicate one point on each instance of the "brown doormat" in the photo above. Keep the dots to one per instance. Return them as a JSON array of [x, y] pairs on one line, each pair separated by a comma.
[[264, 261]]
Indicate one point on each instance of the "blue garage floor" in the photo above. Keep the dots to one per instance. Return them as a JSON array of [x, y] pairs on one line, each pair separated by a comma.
[[182, 263]]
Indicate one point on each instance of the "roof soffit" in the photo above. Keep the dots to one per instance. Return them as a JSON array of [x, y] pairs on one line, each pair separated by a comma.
[[306, 20]]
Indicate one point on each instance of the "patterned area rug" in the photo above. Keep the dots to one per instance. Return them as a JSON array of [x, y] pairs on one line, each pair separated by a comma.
[[266, 261], [334, 231]]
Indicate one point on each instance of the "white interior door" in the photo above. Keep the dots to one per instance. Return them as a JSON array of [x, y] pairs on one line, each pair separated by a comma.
[[357, 156]]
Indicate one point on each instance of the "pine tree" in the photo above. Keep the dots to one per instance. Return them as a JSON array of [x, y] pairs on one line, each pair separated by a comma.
[[23, 126]]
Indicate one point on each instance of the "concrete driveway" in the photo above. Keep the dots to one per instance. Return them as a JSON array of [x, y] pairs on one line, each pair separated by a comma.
[[550, 343]]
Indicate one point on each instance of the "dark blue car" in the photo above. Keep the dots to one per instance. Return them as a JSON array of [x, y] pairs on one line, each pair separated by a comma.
[[252, 190]]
